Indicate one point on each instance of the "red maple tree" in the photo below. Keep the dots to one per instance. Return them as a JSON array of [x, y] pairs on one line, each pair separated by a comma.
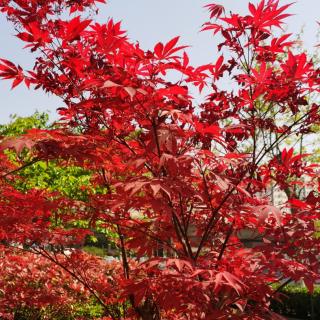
[[186, 186]]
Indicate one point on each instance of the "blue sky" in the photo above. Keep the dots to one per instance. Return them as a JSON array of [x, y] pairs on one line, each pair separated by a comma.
[[147, 21]]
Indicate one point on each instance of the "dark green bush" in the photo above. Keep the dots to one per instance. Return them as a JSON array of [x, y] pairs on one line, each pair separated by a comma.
[[297, 302]]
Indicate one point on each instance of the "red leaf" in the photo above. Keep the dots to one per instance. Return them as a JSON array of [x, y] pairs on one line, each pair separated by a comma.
[[226, 278], [110, 84], [211, 26], [215, 10], [19, 144], [131, 91], [309, 284], [74, 28], [298, 203], [155, 186], [170, 44], [24, 36], [8, 70], [158, 50]]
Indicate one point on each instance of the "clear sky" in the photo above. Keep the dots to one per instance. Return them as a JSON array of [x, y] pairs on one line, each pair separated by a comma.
[[147, 21]]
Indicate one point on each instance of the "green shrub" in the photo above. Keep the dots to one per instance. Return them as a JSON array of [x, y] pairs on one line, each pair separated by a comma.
[[100, 252], [90, 310], [297, 302]]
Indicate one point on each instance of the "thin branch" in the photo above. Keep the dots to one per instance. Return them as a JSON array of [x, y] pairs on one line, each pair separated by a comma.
[[20, 168]]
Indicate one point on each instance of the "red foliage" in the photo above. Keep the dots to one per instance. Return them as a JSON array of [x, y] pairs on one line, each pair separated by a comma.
[[34, 280], [184, 182]]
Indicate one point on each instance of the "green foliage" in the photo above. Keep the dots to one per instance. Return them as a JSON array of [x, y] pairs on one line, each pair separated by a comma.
[[73, 182], [20, 125], [101, 252], [89, 310], [317, 227], [296, 301], [101, 243]]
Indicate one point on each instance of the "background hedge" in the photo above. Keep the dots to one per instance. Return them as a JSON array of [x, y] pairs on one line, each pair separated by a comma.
[[297, 302]]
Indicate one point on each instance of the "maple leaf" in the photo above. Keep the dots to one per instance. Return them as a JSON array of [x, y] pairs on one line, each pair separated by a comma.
[[9, 70], [165, 51], [226, 278], [35, 34], [211, 26], [267, 15], [215, 10], [74, 28], [18, 144]]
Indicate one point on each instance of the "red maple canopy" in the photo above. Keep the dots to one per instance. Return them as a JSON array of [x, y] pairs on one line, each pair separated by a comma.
[[186, 186]]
